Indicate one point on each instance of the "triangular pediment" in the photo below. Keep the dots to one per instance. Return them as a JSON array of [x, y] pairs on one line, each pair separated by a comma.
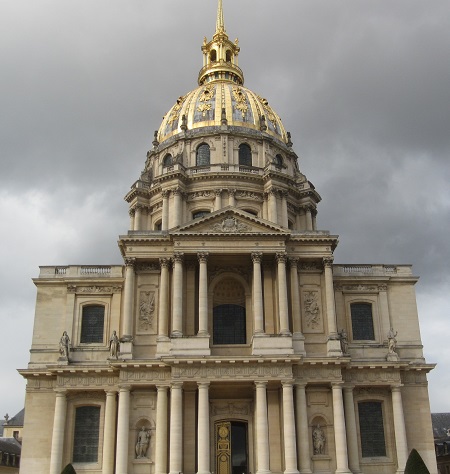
[[229, 221]]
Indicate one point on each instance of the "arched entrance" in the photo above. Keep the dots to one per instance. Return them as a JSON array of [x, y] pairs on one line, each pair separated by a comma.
[[231, 446]]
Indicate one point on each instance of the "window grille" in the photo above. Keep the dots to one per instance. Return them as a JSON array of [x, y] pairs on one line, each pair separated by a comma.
[[229, 324], [203, 155], [371, 429], [86, 436], [245, 155], [362, 322], [92, 324]]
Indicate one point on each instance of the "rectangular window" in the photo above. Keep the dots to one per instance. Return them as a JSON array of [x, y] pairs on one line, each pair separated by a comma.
[[92, 324], [371, 429], [362, 322], [86, 437]]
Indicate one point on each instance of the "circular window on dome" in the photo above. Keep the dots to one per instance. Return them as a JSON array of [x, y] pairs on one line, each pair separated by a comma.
[[245, 155], [203, 155], [168, 160]]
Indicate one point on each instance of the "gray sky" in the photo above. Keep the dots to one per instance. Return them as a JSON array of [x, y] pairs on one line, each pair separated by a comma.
[[364, 87]]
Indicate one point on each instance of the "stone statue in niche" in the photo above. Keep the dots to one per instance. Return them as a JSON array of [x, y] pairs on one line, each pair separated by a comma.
[[392, 345], [319, 440], [64, 345], [142, 443], [114, 346], [344, 341]]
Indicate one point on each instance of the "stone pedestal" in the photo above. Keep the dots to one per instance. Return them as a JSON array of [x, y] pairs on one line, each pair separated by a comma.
[[190, 346], [264, 344], [126, 350]]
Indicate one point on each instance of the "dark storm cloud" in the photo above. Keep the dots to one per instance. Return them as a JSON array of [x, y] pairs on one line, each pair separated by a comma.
[[362, 86]]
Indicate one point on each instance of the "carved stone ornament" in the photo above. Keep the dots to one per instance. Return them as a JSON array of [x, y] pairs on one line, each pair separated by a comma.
[[241, 101], [231, 409], [230, 225], [359, 288], [312, 309], [91, 290], [216, 271], [146, 267], [146, 310], [310, 267]]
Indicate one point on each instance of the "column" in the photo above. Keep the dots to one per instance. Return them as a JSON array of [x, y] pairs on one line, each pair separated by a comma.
[[290, 451], [177, 206], [272, 206], [177, 297], [203, 295], [176, 429], [161, 431], [309, 222], [163, 323], [258, 306], [283, 314], [352, 434], [203, 429], [128, 297], [302, 429], [59, 424], [138, 217], [123, 430], [329, 291], [165, 210], [262, 429], [284, 209], [340, 437], [401, 443], [109, 432], [218, 199], [295, 297], [132, 213], [265, 211], [232, 197]]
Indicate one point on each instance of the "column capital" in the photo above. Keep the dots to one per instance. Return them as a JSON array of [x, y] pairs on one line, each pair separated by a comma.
[[178, 257], [110, 392], [61, 392], [284, 194], [124, 388], [165, 194], [203, 257], [300, 384], [396, 388], [293, 262], [203, 384], [232, 192], [281, 257], [328, 261], [218, 192], [256, 257], [339, 385], [287, 383], [261, 383], [164, 262], [176, 385], [308, 208], [273, 191], [348, 387], [177, 191], [132, 212], [162, 388], [130, 261]]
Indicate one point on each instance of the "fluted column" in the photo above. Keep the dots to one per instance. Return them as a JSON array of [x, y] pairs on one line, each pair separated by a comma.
[[128, 297], [273, 213], [132, 213], [138, 217], [203, 295], [258, 305], [232, 197], [123, 430], [401, 443], [218, 199], [309, 222], [176, 429], [284, 209], [203, 429], [262, 429], [290, 451], [177, 206], [283, 312], [340, 436], [161, 431], [165, 210], [109, 432], [329, 292], [265, 212], [177, 297], [352, 434], [295, 298], [163, 323], [303, 447], [59, 425]]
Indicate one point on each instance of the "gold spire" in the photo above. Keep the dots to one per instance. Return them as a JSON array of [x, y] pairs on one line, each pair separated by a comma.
[[220, 23]]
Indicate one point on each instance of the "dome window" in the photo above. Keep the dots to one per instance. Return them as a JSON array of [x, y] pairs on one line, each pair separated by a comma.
[[245, 155], [203, 155], [213, 56], [278, 161], [228, 56], [168, 160]]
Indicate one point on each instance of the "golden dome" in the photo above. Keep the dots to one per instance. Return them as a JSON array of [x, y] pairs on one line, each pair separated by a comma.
[[221, 99]]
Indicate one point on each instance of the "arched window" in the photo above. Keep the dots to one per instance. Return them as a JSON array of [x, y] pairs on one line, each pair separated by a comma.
[[279, 161], [158, 225], [245, 155], [168, 160], [203, 155], [228, 56], [229, 324], [92, 324], [213, 55], [371, 427], [362, 321], [251, 211], [87, 434], [200, 214]]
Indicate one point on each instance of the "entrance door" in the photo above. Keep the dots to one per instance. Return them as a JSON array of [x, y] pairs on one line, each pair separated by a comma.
[[231, 447]]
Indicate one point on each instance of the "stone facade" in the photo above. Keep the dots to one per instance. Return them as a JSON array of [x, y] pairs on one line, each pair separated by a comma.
[[241, 347]]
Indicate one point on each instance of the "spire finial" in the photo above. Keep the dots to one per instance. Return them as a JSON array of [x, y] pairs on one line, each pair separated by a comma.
[[220, 23]]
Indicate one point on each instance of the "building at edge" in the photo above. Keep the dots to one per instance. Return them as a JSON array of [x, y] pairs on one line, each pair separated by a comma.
[[228, 342]]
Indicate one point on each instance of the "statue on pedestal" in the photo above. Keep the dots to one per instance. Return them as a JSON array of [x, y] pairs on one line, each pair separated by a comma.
[[344, 341], [64, 345], [319, 440], [114, 346], [142, 443]]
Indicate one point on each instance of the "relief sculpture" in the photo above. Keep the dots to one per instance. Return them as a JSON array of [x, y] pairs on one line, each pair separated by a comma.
[[312, 309], [146, 310]]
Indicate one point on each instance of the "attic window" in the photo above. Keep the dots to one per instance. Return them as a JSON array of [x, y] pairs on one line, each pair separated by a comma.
[[200, 214], [228, 56], [213, 55]]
